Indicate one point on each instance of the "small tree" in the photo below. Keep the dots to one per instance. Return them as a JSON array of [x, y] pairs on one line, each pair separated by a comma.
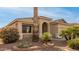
[[9, 35], [64, 34]]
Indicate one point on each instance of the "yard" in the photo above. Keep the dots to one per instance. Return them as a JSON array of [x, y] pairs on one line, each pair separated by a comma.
[[56, 45]]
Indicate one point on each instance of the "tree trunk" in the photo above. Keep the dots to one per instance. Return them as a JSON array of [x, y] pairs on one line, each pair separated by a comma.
[[66, 37]]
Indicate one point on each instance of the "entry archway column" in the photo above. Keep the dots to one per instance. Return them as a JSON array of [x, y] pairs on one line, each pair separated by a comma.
[[49, 27], [40, 30]]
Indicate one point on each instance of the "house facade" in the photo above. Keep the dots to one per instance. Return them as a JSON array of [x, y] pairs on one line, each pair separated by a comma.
[[25, 26], [46, 24]]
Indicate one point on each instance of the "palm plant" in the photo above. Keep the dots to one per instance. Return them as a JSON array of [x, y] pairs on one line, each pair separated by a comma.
[[66, 34], [70, 33], [46, 37]]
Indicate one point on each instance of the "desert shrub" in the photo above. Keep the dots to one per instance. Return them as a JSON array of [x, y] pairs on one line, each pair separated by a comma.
[[46, 37], [9, 35], [23, 44], [74, 43]]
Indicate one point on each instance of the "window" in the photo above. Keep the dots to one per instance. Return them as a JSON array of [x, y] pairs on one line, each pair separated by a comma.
[[26, 28]]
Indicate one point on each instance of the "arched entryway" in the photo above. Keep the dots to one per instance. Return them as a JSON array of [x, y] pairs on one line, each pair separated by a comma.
[[44, 27]]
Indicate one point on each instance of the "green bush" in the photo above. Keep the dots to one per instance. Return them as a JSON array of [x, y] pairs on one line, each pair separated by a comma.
[[9, 35], [46, 37], [74, 43]]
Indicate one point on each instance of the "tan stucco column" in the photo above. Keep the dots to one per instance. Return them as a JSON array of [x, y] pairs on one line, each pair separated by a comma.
[[49, 27], [40, 30], [20, 30]]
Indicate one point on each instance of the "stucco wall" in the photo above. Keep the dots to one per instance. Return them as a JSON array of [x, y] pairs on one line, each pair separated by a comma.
[[54, 29], [62, 27], [28, 22]]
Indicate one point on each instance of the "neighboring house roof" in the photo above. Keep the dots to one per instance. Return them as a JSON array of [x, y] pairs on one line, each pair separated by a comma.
[[63, 22], [60, 21]]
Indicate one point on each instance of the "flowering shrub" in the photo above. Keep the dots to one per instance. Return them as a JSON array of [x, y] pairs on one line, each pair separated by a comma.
[[9, 35]]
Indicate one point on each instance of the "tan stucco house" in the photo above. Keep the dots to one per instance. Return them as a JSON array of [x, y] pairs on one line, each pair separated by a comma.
[[46, 24], [25, 25]]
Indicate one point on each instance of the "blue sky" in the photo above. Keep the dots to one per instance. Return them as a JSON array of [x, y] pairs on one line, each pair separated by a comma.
[[7, 14]]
